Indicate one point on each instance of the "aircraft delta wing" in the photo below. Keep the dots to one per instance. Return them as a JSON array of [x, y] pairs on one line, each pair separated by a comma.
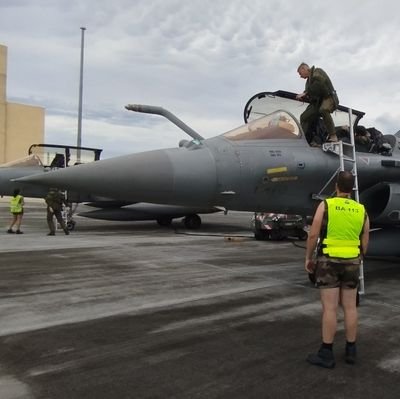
[[265, 165]]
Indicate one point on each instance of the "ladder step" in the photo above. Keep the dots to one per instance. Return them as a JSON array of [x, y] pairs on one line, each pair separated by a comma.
[[334, 148], [341, 149]]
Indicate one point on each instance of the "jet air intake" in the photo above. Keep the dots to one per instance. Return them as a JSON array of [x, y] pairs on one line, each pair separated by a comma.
[[382, 203]]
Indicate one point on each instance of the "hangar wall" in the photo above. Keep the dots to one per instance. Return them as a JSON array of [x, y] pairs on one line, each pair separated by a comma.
[[20, 125]]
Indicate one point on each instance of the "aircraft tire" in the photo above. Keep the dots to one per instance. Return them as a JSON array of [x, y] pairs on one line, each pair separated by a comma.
[[192, 222], [276, 236], [71, 225], [302, 235], [261, 235], [164, 221]]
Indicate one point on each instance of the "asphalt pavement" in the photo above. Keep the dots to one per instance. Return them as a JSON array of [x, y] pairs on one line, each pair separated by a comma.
[[132, 310]]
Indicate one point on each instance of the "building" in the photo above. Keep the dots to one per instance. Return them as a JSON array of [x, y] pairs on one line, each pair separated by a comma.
[[20, 125]]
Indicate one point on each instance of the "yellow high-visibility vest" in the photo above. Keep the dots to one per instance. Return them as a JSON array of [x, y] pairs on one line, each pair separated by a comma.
[[16, 204], [345, 223]]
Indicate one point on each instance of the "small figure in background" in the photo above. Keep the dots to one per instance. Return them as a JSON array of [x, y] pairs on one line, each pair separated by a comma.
[[55, 200], [17, 210]]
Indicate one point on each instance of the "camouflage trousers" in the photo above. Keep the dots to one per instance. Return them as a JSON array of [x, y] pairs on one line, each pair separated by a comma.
[[336, 272], [313, 111]]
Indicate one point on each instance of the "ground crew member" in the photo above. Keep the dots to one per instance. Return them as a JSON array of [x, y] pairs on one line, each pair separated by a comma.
[[17, 210], [55, 201], [343, 228], [323, 101]]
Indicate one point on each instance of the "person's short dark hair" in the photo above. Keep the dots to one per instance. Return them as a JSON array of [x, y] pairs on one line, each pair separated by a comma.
[[302, 64], [16, 192], [345, 181]]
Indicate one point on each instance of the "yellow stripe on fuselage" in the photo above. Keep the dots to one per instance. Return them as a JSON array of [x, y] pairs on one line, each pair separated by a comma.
[[277, 170]]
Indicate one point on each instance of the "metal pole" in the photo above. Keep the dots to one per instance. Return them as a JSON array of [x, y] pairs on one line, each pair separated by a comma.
[[79, 140]]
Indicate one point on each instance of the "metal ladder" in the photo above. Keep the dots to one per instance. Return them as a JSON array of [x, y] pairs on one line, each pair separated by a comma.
[[346, 152]]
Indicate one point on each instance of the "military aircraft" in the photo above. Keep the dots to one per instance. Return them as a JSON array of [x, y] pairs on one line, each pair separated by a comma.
[[43, 158], [265, 165]]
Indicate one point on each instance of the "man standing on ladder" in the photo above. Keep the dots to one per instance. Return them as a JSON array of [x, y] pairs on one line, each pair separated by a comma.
[[342, 225], [323, 101]]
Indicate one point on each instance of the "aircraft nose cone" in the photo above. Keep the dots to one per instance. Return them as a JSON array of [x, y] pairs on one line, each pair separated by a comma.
[[161, 176]]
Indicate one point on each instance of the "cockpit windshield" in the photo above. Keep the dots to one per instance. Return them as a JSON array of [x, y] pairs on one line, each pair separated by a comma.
[[277, 125]]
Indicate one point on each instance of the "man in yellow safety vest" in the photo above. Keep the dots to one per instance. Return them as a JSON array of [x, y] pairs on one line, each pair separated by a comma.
[[342, 225], [17, 210]]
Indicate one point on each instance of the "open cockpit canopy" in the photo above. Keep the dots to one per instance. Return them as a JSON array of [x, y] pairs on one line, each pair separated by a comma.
[[61, 156], [265, 103]]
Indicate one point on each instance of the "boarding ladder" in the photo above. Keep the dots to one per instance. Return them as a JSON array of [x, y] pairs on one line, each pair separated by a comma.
[[346, 152]]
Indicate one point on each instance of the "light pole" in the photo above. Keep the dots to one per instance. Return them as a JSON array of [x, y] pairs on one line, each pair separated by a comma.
[[79, 140]]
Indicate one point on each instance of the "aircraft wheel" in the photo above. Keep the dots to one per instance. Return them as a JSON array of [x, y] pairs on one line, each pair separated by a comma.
[[302, 235], [261, 235], [276, 235], [165, 221], [192, 222], [71, 225]]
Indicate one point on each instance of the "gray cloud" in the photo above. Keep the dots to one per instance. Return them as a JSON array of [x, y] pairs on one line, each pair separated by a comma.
[[200, 59]]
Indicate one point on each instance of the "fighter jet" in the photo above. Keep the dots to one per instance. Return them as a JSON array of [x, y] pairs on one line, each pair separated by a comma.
[[265, 165]]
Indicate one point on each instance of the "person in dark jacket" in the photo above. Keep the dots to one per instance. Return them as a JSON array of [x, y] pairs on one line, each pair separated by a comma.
[[323, 101], [55, 200]]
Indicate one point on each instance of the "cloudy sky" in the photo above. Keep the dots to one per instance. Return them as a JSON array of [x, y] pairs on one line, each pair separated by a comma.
[[200, 59]]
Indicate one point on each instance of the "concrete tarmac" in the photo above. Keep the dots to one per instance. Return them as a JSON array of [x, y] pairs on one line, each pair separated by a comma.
[[132, 310]]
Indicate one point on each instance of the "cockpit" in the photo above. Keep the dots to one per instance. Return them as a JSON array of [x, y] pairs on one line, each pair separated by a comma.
[[54, 156], [277, 125], [263, 121], [62, 156]]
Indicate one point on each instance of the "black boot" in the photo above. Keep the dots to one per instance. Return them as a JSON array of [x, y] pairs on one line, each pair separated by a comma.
[[351, 354], [323, 358]]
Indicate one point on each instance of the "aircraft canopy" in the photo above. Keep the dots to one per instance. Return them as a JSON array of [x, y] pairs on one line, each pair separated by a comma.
[[266, 102], [61, 156], [278, 125]]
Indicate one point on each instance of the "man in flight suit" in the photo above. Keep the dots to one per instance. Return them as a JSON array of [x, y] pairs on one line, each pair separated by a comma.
[[55, 201], [342, 225], [323, 101]]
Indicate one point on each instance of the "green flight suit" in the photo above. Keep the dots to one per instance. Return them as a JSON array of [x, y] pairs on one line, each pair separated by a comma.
[[55, 201], [323, 101]]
